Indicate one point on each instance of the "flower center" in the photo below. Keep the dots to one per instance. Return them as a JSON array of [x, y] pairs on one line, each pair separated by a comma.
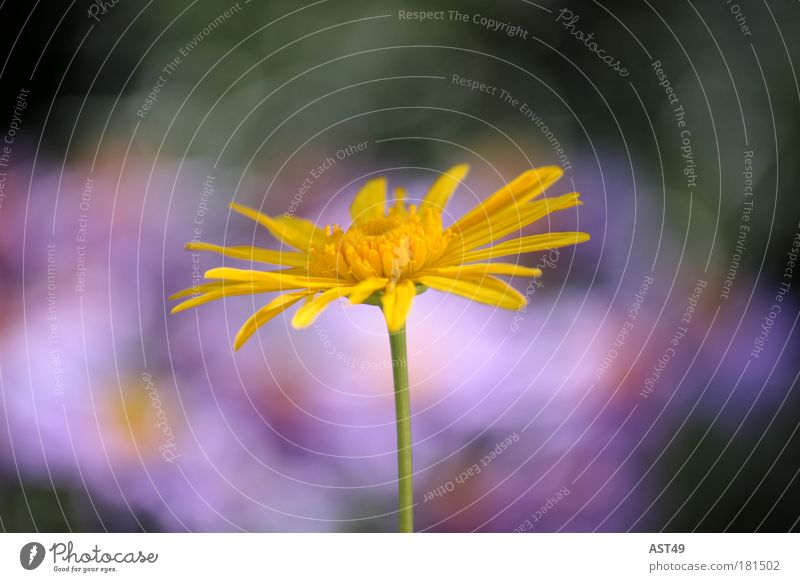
[[394, 246]]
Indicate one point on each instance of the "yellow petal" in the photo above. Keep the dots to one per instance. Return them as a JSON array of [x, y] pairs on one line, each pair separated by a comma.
[[400, 202], [293, 231], [306, 315], [510, 220], [366, 288], [397, 303], [523, 188], [481, 289], [219, 290], [303, 232], [278, 279], [263, 315], [527, 244], [443, 188], [481, 269], [248, 253], [370, 201], [194, 290]]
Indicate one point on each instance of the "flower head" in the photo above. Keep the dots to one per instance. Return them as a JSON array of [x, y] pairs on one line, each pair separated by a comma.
[[389, 254]]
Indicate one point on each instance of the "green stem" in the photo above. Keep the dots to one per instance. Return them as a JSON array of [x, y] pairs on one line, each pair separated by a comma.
[[402, 403]]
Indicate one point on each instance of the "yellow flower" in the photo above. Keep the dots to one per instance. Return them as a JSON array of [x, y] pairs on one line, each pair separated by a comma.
[[388, 255]]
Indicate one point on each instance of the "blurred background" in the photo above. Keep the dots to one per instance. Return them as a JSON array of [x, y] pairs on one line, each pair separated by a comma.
[[649, 385]]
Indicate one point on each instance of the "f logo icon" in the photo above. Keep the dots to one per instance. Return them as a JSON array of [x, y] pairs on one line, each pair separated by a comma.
[[31, 555]]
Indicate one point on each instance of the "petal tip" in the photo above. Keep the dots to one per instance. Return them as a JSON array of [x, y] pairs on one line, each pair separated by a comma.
[[459, 171], [300, 323]]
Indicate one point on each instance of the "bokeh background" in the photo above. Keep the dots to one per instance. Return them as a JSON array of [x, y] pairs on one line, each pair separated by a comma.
[[129, 126]]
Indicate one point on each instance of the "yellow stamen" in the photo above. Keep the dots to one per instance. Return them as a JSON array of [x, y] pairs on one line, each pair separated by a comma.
[[393, 246]]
